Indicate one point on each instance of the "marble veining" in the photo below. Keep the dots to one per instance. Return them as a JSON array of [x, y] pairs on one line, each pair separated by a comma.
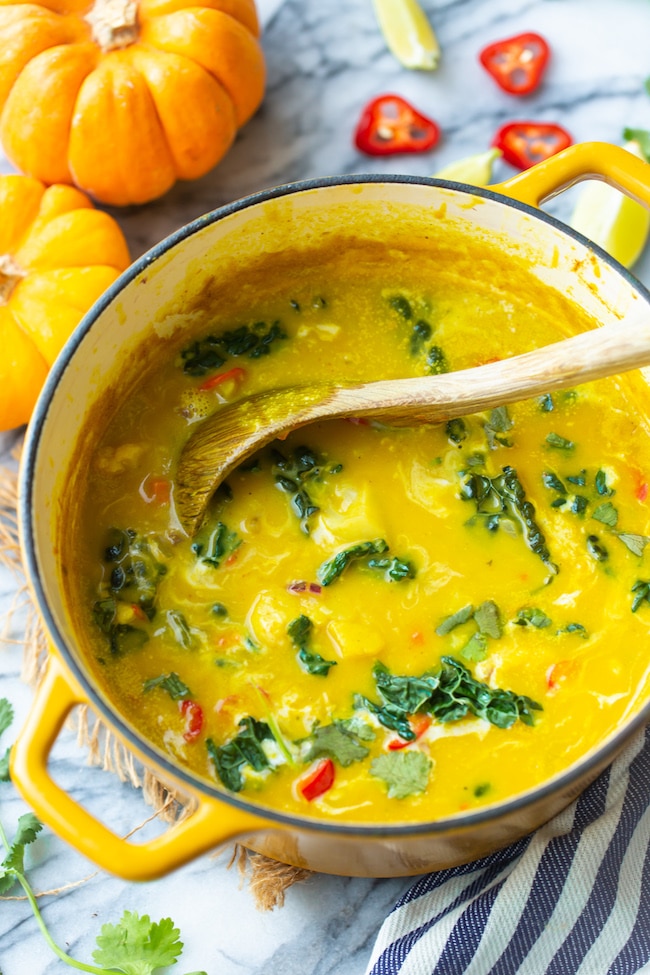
[[326, 58]]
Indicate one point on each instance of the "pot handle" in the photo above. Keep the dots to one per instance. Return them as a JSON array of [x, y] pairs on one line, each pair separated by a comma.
[[587, 160], [208, 826]]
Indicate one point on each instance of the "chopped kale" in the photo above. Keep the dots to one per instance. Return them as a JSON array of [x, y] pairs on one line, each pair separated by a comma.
[[596, 549], [402, 306], [456, 430], [579, 504], [531, 616], [436, 361], [641, 590], [559, 443], [212, 351], [218, 543], [504, 495], [245, 749], [449, 694], [421, 334], [300, 631], [291, 475], [546, 403], [333, 568], [553, 482], [394, 569], [171, 683], [601, 485]]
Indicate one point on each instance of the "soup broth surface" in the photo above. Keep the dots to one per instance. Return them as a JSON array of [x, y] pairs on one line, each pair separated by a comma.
[[375, 624]]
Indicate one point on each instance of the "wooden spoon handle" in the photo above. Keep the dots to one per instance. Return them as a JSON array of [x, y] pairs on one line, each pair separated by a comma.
[[227, 437], [600, 352]]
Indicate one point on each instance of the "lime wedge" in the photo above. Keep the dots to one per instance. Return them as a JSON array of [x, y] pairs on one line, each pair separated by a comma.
[[611, 219], [476, 170], [408, 33]]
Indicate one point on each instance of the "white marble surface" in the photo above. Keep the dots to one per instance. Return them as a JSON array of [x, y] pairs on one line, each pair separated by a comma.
[[326, 58]]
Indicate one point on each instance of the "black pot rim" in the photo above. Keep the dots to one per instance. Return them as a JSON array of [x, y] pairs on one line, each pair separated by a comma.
[[562, 783]]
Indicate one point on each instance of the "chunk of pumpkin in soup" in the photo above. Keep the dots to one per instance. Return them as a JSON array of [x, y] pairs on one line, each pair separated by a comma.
[[373, 624]]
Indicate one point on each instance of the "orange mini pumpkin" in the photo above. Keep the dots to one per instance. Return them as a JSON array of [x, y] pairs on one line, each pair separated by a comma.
[[123, 97], [58, 254]]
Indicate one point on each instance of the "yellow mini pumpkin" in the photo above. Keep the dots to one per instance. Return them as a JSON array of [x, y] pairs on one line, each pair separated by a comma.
[[123, 97], [58, 254]]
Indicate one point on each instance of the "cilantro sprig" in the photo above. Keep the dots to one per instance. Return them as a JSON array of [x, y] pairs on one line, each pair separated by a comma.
[[136, 945]]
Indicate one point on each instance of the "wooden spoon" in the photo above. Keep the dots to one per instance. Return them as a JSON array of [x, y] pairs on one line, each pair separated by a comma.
[[233, 433]]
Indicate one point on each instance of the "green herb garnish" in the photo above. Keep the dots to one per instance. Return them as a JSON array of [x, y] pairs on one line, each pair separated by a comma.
[[335, 741], [449, 694], [136, 945], [300, 631], [405, 773], [171, 683], [333, 568], [244, 749], [559, 443]]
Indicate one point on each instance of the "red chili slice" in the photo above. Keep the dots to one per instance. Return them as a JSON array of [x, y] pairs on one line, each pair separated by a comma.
[[525, 143], [419, 724], [517, 63], [318, 781], [389, 124], [237, 374], [193, 714]]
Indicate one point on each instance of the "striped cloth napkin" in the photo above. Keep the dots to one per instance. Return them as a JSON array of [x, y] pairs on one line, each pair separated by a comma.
[[572, 899]]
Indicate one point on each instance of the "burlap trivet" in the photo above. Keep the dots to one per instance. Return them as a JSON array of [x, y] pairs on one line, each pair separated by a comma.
[[267, 879]]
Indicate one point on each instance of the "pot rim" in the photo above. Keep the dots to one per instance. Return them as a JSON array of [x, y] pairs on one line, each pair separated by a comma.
[[598, 758]]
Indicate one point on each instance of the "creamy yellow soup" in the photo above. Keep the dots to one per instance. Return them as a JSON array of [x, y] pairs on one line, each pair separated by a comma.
[[372, 624]]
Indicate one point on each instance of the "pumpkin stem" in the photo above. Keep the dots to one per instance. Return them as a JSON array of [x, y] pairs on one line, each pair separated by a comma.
[[114, 23], [10, 275]]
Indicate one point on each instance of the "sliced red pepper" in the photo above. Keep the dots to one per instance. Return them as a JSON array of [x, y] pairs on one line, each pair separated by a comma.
[[237, 374], [318, 781], [193, 714], [155, 488], [419, 724], [525, 143], [389, 124], [517, 63]]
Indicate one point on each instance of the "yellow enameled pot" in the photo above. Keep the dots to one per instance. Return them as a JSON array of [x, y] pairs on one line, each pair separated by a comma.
[[150, 297]]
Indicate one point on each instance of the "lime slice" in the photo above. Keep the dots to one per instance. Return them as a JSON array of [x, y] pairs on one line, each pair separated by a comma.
[[476, 170], [408, 33], [611, 219]]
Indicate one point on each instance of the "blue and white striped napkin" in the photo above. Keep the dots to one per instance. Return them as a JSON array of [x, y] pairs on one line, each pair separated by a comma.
[[572, 899]]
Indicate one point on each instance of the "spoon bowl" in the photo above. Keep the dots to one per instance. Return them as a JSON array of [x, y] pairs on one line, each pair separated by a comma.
[[231, 434]]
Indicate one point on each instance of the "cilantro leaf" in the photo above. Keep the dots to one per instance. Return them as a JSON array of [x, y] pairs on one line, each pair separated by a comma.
[[476, 648], [635, 543], [405, 773], [6, 714], [137, 945], [486, 618], [456, 619], [606, 513], [13, 864], [335, 741]]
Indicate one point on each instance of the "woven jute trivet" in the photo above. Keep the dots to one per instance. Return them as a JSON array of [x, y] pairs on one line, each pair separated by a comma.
[[267, 879]]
